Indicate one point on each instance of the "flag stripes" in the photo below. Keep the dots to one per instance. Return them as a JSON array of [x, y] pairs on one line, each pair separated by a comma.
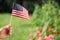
[[20, 12]]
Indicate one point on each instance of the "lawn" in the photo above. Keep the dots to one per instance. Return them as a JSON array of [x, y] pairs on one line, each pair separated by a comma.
[[21, 27]]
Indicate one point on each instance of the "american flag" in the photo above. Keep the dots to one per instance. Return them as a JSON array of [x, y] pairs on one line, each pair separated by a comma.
[[20, 11]]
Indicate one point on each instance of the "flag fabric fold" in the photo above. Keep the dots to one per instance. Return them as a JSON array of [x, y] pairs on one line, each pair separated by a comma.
[[20, 11]]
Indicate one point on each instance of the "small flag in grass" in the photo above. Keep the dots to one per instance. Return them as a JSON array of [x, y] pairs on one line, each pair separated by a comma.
[[20, 11]]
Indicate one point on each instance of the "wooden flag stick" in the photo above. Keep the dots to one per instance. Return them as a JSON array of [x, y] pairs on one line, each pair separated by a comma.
[[11, 19], [11, 14]]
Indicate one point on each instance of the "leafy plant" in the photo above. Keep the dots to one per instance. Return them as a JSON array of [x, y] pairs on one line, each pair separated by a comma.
[[49, 14]]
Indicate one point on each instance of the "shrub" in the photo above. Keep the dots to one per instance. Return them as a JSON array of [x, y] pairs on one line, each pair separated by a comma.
[[48, 14]]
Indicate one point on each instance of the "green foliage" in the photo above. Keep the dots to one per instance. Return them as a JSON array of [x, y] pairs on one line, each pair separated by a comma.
[[48, 13]]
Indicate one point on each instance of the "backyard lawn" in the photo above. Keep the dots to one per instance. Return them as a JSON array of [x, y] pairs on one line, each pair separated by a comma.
[[21, 27]]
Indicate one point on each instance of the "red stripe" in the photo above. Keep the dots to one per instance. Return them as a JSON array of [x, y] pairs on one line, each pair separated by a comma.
[[20, 14]]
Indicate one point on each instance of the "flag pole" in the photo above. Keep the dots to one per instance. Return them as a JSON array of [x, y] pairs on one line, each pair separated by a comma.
[[11, 19], [11, 14]]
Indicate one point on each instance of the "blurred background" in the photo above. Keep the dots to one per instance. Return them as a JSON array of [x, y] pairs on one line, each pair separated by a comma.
[[40, 11]]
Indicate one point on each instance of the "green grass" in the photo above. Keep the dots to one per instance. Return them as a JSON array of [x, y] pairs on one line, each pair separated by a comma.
[[21, 27]]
